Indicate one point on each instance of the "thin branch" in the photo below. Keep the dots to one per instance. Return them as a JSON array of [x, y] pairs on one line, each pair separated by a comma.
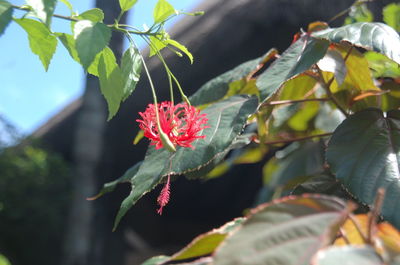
[[328, 91], [347, 10], [284, 141], [282, 102], [27, 9]]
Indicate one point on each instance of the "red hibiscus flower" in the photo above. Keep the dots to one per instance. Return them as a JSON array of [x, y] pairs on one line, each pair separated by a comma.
[[180, 123]]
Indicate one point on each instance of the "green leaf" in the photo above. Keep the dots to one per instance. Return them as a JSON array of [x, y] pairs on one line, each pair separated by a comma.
[[126, 4], [156, 45], [364, 154], [391, 15], [181, 48], [206, 243], [348, 255], [218, 87], [111, 82], [162, 11], [382, 66], [226, 120], [297, 88], [42, 42], [110, 186], [6, 12], [42, 9], [287, 231], [90, 39], [333, 62], [131, 67], [299, 57], [359, 13], [69, 43], [371, 36], [94, 15], [294, 166]]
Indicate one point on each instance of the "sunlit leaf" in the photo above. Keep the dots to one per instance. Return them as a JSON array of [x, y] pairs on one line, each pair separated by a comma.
[[162, 11], [359, 13], [299, 57], [391, 15], [42, 9], [382, 66], [111, 82], [42, 42], [156, 45], [364, 154], [126, 4], [131, 67], [90, 39], [156, 260], [181, 48], [287, 231], [206, 243], [333, 62], [369, 35], [6, 12], [94, 15]]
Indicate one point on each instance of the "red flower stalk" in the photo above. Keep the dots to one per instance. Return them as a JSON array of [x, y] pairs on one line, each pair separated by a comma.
[[163, 198], [181, 123]]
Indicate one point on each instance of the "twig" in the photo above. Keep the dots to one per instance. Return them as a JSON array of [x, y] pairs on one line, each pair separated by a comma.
[[347, 10], [282, 102], [326, 86], [295, 139], [27, 9]]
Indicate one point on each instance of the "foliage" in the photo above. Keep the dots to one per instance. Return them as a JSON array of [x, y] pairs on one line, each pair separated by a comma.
[[34, 186], [326, 109]]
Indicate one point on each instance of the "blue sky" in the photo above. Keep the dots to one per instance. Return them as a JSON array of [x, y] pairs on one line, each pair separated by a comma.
[[29, 96]]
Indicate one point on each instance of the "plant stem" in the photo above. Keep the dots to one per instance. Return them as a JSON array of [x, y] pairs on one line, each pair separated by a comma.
[[282, 102], [297, 139], [326, 86], [347, 10], [112, 26], [27, 9]]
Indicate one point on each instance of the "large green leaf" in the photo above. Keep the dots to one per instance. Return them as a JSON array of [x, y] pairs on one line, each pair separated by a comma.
[[287, 231], [42, 42], [206, 243], [42, 9], [131, 67], [348, 255], [226, 120], [5, 15], [299, 57], [364, 154], [126, 4], [111, 82], [90, 39], [374, 36]]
